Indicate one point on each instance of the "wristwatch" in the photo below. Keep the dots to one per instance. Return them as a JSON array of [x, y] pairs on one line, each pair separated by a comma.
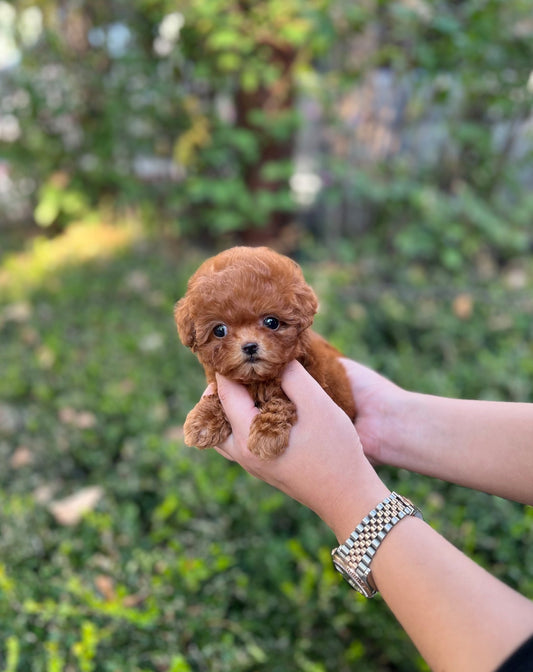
[[353, 559]]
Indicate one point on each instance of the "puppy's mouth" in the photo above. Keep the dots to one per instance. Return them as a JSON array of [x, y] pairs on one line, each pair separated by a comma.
[[255, 368]]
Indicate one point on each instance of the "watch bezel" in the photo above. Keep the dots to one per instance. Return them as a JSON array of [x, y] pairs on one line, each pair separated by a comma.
[[352, 577]]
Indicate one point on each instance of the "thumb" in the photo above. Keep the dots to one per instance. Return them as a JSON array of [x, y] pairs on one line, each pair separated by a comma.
[[302, 389]]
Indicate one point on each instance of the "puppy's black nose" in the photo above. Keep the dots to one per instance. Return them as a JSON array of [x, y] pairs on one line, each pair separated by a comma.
[[250, 349]]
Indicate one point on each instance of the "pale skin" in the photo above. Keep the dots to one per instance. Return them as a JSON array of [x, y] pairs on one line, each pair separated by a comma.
[[459, 616], [485, 445]]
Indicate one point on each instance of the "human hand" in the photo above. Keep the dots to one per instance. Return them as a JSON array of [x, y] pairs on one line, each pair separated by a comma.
[[323, 467], [379, 403]]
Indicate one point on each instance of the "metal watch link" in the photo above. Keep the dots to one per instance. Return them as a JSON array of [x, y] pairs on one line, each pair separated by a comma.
[[353, 558]]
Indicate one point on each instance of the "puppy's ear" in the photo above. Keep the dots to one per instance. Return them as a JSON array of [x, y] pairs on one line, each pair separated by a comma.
[[185, 322], [307, 303]]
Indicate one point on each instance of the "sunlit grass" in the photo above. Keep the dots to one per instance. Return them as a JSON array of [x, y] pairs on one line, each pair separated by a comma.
[[82, 242]]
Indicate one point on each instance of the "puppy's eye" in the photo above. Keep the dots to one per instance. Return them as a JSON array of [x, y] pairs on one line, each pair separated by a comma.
[[220, 330], [271, 322]]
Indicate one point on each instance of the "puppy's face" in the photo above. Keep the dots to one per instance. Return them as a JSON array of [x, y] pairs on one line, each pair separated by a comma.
[[244, 313]]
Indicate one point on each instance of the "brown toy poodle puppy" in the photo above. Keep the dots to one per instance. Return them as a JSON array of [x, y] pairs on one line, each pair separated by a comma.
[[247, 312]]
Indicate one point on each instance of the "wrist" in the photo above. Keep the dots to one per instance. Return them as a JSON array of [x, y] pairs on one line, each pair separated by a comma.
[[354, 557], [402, 426], [351, 502]]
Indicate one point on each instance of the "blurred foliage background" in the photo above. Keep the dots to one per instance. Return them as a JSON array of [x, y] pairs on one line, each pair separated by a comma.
[[385, 145]]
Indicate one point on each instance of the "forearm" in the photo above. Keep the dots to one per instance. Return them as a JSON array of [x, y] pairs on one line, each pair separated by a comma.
[[478, 444], [460, 617]]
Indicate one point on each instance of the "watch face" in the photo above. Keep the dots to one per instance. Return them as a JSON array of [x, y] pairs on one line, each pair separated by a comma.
[[355, 582]]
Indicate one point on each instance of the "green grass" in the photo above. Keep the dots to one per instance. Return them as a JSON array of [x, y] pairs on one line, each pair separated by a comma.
[[187, 563]]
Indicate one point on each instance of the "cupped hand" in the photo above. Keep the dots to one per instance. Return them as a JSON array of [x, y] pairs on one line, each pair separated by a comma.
[[323, 467]]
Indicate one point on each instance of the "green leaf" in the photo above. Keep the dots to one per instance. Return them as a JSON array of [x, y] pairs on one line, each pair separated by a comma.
[[48, 208], [179, 664]]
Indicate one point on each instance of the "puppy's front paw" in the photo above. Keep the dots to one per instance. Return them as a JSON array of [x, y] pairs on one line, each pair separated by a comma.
[[206, 425], [270, 430]]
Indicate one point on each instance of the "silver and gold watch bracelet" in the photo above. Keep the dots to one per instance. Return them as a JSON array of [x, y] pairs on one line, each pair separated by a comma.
[[358, 551]]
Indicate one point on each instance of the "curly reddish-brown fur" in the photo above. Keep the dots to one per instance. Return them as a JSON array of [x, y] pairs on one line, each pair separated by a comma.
[[225, 318]]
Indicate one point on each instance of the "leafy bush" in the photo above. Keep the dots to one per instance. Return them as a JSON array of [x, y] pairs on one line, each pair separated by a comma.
[[185, 114], [184, 562], [418, 121]]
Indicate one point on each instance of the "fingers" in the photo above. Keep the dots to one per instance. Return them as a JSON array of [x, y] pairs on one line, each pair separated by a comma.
[[209, 390], [221, 450], [240, 411], [311, 400], [294, 379], [304, 391], [236, 401]]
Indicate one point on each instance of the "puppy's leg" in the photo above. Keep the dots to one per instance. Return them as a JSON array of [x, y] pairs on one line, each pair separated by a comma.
[[206, 425], [269, 433]]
